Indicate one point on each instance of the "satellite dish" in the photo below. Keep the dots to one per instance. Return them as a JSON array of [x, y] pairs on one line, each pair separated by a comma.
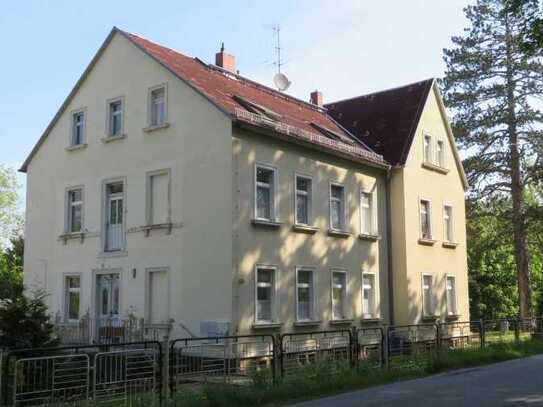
[[281, 81]]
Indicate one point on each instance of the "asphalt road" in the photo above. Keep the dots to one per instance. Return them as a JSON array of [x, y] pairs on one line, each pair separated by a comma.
[[513, 383]]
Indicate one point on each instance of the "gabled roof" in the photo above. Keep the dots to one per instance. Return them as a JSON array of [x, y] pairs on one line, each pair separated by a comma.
[[234, 95], [386, 121]]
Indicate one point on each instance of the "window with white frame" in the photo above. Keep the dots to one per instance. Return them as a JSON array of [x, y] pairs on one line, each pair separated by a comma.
[[305, 295], [115, 117], [72, 298], [451, 296], [303, 200], [448, 223], [265, 193], [339, 294], [440, 153], [337, 207], [158, 197], [368, 296], [367, 214], [265, 294], [74, 216], [428, 295], [157, 106], [427, 143], [78, 128], [425, 220]]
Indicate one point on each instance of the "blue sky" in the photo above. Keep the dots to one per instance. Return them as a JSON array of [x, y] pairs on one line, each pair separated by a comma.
[[343, 48]]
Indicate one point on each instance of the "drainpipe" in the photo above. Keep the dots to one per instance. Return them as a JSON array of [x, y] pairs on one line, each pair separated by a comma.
[[389, 249]]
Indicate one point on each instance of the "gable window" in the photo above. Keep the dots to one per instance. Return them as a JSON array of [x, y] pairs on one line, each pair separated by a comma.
[[451, 296], [427, 148], [158, 197], [78, 128], [448, 223], [265, 193], [157, 106], [115, 117], [339, 294], [425, 220], [428, 295], [337, 207], [265, 294], [72, 298], [305, 295], [74, 218], [440, 153], [303, 200], [368, 296], [367, 214]]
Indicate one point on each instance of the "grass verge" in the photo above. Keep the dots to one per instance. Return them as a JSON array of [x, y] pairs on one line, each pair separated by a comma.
[[326, 379]]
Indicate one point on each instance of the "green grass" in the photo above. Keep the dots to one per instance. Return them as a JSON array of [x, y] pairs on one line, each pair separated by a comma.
[[326, 379]]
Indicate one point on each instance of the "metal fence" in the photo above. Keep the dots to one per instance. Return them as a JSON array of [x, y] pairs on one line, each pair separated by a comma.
[[227, 359], [458, 335], [410, 341], [369, 347]]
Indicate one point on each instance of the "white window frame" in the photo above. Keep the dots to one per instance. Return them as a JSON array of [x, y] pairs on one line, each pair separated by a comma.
[[148, 272], [109, 117], [104, 220], [68, 209], [273, 192], [451, 223], [313, 298], [440, 153], [164, 87], [433, 311], [149, 194], [75, 113], [343, 207], [344, 293], [373, 229], [67, 290], [273, 286], [427, 158], [455, 298], [309, 195], [429, 214], [376, 298]]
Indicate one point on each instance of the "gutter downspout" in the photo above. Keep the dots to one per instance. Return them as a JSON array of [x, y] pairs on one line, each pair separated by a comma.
[[389, 249]]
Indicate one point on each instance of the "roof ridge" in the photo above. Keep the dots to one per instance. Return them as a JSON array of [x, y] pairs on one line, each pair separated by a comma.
[[381, 91]]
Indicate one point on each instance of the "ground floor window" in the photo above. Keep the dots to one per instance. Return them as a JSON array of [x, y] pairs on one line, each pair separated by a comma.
[[265, 294], [451, 296], [427, 295], [368, 296], [339, 294], [305, 296], [72, 297]]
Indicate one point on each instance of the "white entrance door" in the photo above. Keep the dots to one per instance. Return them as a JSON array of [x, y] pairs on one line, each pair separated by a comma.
[[158, 297], [114, 219]]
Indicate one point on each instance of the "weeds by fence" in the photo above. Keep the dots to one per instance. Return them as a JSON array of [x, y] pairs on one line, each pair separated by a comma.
[[125, 373]]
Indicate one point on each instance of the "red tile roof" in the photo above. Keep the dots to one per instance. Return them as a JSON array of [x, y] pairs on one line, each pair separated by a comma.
[[221, 88]]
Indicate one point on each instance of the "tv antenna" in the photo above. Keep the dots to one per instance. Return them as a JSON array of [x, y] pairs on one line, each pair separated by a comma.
[[281, 81]]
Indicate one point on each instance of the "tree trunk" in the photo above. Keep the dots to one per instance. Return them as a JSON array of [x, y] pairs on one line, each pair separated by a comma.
[[517, 191]]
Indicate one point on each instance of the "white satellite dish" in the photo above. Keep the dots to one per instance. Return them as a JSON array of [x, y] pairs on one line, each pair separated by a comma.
[[281, 81]]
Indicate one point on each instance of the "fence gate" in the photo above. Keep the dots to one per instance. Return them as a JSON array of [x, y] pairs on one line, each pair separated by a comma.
[[370, 350], [52, 379], [126, 375]]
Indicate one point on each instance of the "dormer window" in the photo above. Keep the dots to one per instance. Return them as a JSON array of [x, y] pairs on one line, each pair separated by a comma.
[[257, 108], [332, 134]]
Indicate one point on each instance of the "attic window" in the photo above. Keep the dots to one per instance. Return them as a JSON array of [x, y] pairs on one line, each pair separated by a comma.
[[332, 134], [256, 108]]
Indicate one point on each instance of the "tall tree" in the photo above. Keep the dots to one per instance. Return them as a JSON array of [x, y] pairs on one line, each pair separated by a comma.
[[9, 220], [490, 84], [531, 13]]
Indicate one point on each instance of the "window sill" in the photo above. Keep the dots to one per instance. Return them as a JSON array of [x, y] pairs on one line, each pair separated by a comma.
[[372, 238], [118, 253], [449, 245], [427, 242], [108, 139], [433, 167], [76, 147], [266, 222], [304, 228], [266, 325], [340, 321], [72, 235], [338, 233], [306, 323], [370, 320], [452, 317], [150, 129], [430, 318]]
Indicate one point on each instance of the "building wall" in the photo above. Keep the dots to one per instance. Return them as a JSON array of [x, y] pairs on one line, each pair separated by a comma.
[[286, 249], [413, 183], [193, 148]]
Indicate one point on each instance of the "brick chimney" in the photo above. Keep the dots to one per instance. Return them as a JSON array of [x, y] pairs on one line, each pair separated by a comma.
[[316, 98], [225, 61]]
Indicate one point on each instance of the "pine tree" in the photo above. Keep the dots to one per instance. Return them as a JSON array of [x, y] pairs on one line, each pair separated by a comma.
[[490, 85]]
